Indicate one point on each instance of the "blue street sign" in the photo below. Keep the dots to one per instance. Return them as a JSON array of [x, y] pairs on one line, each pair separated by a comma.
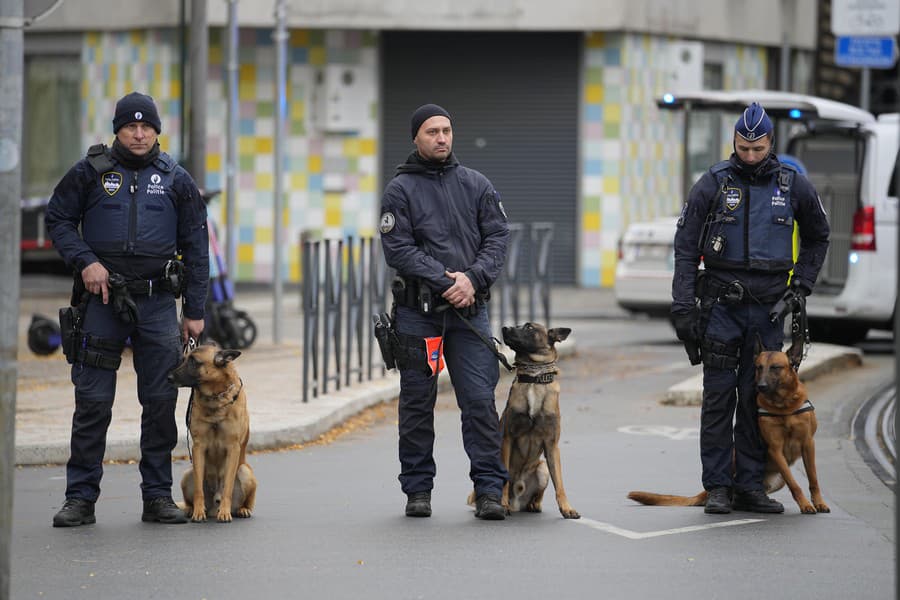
[[867, 52]]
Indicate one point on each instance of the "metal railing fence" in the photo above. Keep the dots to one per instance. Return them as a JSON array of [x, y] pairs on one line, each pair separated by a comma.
[[346, 281]]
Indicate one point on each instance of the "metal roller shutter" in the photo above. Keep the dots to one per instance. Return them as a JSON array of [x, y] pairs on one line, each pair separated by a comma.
[[514, 100]]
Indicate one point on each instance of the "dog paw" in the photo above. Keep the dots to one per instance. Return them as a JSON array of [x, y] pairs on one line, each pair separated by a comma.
[[223, 516], [198, 516], [570, 513], [807, 509], [823, 508], [243, 513]]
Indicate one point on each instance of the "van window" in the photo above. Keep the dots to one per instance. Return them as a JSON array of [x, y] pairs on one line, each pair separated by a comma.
[[834, 162]]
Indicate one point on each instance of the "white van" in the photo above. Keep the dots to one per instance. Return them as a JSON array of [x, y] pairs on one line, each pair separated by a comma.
[[852, 159]]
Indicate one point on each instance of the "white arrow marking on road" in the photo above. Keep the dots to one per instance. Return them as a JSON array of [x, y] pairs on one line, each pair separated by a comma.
[[636, 535]]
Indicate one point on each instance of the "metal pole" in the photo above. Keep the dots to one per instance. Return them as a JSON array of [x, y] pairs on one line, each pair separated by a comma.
[[199, 67], [865, 87], [784, 68], [11, 57], [231, 190], [280, 38], [896, 374], [686, 158]]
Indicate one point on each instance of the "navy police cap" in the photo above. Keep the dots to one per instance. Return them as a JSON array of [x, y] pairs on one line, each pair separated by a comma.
[[754, 124]]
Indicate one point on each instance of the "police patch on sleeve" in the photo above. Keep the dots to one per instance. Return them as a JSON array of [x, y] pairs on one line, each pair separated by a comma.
[[387, 222], [111, 182]]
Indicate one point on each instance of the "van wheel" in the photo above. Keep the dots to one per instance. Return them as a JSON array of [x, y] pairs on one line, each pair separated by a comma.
[[831, 331]]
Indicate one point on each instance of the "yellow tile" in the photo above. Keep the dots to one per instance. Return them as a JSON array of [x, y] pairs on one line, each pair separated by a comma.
[[596, 40], [315, 164], [351, 147], [93, 39], [245, 253], [612, 113], [593, 94], [317, 56], [607, 268], [137, 36], [298, 109], [213, 161], [246, 145], [298, 181], [247, 73], [333, 213], [247, 91], [174, 88], [265, 181], [264, 145], [299, 37], [591, 221], [367, 183], [263, 235], [367, 147], [113, 72], [215, 55], [294, 270], [610, 185]]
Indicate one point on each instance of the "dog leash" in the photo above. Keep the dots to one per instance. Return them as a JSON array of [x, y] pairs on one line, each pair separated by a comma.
[[491, 346], [189, 347]]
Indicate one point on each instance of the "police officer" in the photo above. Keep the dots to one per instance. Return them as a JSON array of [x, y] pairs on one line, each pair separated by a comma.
[[444, 231], [739, 217], [136, 209]]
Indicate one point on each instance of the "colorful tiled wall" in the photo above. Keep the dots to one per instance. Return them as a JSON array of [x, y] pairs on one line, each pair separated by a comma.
[[631, 151], [330, 172]]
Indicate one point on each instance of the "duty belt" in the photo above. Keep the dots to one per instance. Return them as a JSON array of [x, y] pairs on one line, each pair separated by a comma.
[[737, 293], [147, 287]]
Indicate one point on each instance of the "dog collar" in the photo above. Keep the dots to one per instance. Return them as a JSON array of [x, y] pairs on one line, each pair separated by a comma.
[[543, 378], [805, 407]]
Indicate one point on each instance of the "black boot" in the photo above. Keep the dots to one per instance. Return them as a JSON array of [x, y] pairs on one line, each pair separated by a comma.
[[756, 501], [418, 504], [488, 507], [162, 510], [75, 512], [718, 501]]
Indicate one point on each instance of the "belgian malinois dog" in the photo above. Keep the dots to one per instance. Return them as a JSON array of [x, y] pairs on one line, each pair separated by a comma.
[[220, 483], [787, 423], [531, 420]]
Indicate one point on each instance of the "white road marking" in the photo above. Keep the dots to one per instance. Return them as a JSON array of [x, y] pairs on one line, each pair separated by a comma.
[[673, 433], [636, 535]]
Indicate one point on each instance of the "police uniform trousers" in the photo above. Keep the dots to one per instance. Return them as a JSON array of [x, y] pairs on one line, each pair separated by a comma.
[[156, 346], [731, 450], [474, 373]]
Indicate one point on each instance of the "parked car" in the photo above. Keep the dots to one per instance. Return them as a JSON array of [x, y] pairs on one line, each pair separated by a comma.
[[852, 158]]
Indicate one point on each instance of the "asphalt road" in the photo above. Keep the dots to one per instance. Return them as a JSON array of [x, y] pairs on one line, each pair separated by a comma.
[[329, 520]]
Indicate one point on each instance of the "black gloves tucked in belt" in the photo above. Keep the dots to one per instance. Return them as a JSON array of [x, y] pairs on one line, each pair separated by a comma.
[[123, 304], [686, 325]]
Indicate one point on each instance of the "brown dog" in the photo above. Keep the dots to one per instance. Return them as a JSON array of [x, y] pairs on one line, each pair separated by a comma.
[[787, 423], [531, 420], [221, 483]]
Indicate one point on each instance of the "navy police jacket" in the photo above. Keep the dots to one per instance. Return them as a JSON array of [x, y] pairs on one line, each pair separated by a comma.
[[741, 223], [438, 217], [141, 217]]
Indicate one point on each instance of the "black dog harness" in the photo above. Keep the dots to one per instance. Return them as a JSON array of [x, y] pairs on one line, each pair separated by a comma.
[[805, 407]]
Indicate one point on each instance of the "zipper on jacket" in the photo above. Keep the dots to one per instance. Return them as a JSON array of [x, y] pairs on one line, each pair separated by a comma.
[[132, 216]]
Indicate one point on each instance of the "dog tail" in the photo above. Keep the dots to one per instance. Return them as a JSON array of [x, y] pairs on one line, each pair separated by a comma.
[[651, 499]]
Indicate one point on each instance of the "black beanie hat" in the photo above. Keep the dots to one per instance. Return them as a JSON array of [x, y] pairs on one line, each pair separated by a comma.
[[425, 112], [136, 107]]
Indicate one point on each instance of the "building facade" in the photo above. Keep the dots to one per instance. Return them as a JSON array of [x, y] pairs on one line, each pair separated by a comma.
[[556, 104]]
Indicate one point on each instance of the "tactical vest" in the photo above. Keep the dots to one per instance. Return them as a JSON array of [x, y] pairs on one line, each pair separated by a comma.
[[750, 226], [130, 212]]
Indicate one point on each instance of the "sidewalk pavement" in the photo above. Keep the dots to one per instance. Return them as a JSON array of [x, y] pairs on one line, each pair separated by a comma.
[[273, 376]]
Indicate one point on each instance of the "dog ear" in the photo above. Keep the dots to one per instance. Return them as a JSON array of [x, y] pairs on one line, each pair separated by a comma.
[[225, 356], [758, 347], [558, 334]]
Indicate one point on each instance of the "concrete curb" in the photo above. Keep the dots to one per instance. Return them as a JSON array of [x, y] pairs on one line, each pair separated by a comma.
[[821, 359]]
